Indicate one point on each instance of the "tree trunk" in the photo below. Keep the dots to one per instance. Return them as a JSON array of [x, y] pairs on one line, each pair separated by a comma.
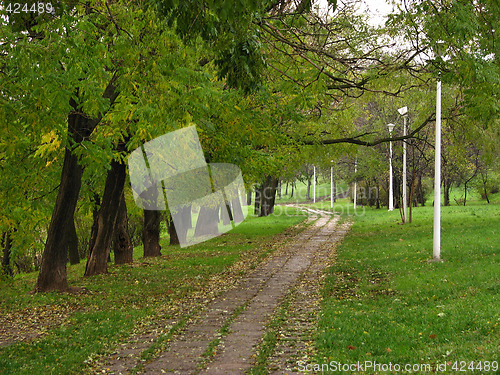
[[123, 249], [151, 233], [466, 183], [52, 274], [279, 189], [397, 191], [447, 187], [420, 191], [172, 232], [308, 192], [249, 197], [93, 230], [484, 178], [6, 245], [268, 196], [412, 198], [465, 192], [97, 262], [72, 243]]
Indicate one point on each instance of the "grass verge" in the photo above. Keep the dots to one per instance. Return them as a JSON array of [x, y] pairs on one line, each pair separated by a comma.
[[385, 303]]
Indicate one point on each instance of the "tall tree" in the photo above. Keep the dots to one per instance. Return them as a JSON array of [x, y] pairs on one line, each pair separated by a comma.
[[68, 71], [107, 218]]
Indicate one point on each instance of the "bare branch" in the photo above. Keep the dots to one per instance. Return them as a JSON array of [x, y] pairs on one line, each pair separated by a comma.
[[355, 139]]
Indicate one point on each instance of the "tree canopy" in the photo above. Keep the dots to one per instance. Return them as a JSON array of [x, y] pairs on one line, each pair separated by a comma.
[[270, 85]]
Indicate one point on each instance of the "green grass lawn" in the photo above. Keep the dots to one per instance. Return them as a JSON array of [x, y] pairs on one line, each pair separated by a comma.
[[76, 328], [385, 303]]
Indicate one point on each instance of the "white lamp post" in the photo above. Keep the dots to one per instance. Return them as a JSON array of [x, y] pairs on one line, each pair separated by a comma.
[[404, 112], [355, 184], [331, 185], [391, 192], [314, 184], [436, 241]]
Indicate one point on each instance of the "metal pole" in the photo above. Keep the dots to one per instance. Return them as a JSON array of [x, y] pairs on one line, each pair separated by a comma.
[[404, 173], [314, 184], [331, 186], [391, 192], [436, 245], [355, 184]]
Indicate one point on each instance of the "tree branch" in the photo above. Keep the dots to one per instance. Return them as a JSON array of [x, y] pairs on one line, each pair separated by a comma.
[[355, 139]]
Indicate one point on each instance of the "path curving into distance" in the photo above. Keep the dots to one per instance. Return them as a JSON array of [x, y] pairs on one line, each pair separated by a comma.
[[224, 337]]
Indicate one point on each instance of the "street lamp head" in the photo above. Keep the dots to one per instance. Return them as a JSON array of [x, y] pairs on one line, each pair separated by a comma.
[[391, 127], [403, 111]]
